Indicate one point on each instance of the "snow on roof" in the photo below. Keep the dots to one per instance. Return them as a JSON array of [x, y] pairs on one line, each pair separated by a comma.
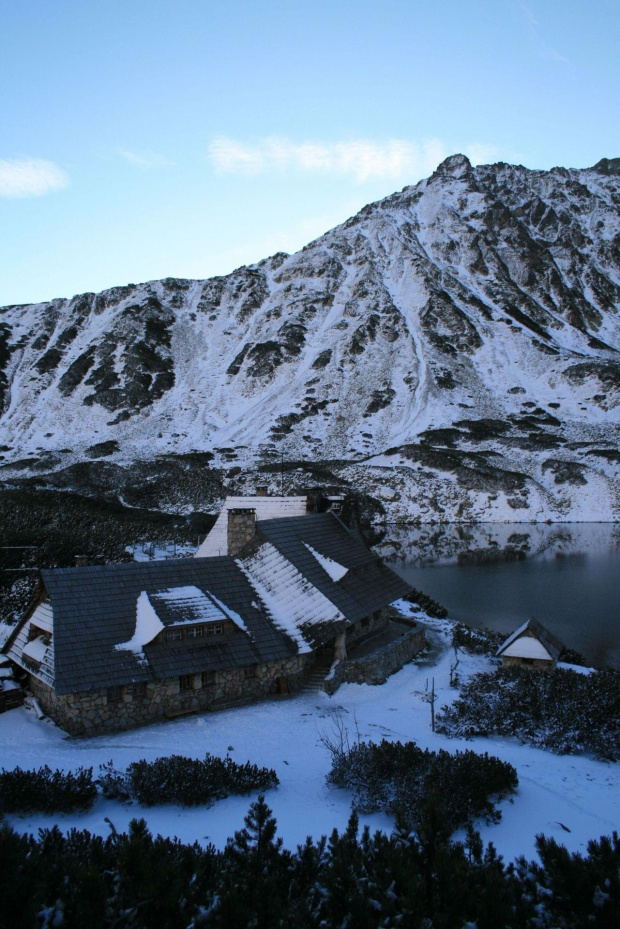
[[43, 617], [188, 605], [231, 613], [216, 543], [529, 629], [512, 637], [336, 571], [180, 606], [293, 603], [35, 649], [148, 625], [526, 646]]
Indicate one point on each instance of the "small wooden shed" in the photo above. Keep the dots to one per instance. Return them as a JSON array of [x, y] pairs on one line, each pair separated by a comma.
[[530, 646]]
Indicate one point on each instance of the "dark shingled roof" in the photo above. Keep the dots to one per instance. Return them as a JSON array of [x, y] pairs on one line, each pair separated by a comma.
[[95, 609], [367, 586], [533, 628]]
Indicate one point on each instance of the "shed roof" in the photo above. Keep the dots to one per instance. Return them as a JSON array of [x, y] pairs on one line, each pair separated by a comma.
[[532, 629]]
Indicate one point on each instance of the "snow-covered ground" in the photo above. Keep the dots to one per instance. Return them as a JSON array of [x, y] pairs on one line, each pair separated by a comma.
[[573, 798]]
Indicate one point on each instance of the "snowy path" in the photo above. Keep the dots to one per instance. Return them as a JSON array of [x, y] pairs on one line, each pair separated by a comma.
[[579, 792]]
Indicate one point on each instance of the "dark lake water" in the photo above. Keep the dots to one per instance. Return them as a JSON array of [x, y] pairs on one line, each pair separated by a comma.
[[569, 578]]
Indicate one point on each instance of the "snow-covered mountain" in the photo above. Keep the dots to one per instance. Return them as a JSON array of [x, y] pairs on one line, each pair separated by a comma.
[[452, 350]]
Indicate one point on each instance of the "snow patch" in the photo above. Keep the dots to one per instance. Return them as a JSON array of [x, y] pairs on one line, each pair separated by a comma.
[[336, 571], [293, 603], [148, 626]]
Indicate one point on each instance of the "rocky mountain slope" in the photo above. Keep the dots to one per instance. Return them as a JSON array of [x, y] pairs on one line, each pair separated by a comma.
[[452, 351]]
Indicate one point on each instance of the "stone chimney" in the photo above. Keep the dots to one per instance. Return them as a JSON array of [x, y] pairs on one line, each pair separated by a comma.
[[241, 528], [313, 500]]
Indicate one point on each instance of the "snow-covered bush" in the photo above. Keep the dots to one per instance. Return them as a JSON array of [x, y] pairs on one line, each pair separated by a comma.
[[46, 791], [406, 781], [192, 781], [560, 710]]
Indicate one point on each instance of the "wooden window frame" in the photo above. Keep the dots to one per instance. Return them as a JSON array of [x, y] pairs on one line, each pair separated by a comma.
[[215, 629], [186, 683]]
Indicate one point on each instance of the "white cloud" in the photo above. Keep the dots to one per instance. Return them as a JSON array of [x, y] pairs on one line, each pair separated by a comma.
[[145, 160], [30, 177], [361, 159]]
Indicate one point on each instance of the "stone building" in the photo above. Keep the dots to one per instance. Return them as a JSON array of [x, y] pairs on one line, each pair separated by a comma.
[[115, 646]]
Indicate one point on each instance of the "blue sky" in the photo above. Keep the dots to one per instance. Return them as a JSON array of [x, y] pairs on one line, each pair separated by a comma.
[[141, 140]]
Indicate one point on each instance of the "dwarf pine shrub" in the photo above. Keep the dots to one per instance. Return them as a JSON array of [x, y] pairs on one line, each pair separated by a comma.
[[193, 781], [46, 791], [559, 710], [430, 606], [403, 779]]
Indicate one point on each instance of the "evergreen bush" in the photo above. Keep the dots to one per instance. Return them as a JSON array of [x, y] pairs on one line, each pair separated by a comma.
[[46, 791], [430, 606], [191, 781], [353, 879], [560, 710], [408, 782], [476, 641]]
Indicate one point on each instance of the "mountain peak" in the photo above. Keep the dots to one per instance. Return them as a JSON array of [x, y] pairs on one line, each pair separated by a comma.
[[465, 331], [456, 166], [607, 166]]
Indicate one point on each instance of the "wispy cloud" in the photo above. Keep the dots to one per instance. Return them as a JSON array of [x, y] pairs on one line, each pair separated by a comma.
[[545, 48], [145, 160], [30, 177], [360, 159]]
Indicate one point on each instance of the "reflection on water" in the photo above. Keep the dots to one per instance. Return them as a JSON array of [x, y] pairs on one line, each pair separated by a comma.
[[568, 577]]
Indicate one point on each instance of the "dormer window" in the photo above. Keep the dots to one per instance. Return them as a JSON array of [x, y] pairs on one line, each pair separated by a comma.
[[176, 634]]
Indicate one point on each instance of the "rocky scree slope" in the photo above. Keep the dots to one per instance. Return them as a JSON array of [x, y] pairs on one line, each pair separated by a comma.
[[451, 350]]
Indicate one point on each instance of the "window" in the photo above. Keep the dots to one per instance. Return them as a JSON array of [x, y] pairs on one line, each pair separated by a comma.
[[137, 690], [173, 635], [366, 621], [249, 672], [215, 629], [194, 632], [186, 682], [207, 678], [114, 694]]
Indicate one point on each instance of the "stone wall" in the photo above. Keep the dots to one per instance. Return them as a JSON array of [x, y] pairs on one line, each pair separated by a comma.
[[371, 624], [377, 667], [94, 712], [533, 664]]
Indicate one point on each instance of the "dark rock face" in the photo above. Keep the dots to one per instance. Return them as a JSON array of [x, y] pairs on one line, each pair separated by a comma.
[[5, 354], [463, 333]]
